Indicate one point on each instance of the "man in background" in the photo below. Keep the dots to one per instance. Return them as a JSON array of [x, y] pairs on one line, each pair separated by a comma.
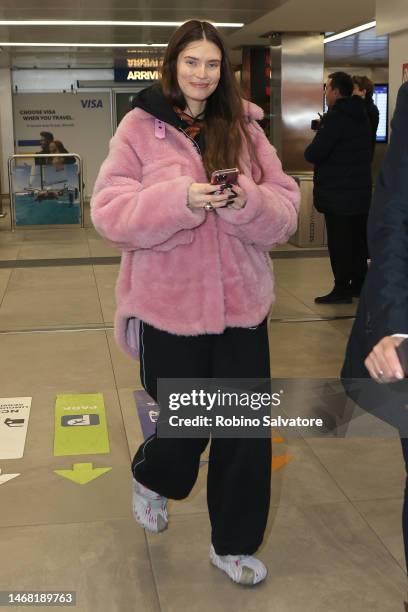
[[341, 153], [45, 139]]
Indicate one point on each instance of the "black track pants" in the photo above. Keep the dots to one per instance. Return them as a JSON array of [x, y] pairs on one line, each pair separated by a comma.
[[239, 470]]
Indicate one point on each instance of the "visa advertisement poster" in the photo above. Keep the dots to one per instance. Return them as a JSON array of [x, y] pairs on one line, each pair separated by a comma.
[[74, 122]]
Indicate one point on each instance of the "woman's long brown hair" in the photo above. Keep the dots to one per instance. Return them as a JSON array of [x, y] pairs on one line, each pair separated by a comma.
[[225, 124]]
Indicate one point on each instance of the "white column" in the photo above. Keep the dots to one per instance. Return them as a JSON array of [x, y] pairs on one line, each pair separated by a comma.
[[392, 19], [398, 57], [6, 126]]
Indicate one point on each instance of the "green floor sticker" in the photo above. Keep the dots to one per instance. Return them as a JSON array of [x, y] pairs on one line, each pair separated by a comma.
[[80, 425]]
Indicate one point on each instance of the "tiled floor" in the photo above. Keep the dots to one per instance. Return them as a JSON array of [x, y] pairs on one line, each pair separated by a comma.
[[333, 542]]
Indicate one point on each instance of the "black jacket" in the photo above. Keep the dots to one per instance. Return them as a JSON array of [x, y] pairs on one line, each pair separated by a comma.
[[374, 119], [341, 153], [383, 307], [41, 161]]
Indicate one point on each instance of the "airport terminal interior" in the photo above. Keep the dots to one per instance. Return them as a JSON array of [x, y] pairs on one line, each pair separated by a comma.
[[334, 540]]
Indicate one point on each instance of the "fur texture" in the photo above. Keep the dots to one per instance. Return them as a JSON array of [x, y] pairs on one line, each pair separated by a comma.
[[183, 271]]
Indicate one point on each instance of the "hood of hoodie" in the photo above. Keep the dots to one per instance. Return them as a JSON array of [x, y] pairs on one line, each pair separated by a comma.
[[153, 101], [354, 107]]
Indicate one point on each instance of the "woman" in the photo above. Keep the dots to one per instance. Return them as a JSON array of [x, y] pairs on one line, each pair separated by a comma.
[[195, 285], [56, 146], [363, 87]]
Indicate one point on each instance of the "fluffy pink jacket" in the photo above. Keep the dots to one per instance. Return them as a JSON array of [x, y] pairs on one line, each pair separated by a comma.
[[183, 271]]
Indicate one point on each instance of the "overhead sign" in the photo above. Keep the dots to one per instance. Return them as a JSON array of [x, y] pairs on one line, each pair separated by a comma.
[[14, 415], [144, 67], [80, 425], [122, 75]]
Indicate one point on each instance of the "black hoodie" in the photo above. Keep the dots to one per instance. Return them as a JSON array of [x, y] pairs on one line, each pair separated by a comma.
[[152, 101], [341, 153]]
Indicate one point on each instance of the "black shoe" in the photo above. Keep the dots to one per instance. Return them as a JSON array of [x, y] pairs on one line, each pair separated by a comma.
[[334, 297]]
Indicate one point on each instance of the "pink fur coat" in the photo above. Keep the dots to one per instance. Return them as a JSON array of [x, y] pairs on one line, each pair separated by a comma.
[[188, 272]]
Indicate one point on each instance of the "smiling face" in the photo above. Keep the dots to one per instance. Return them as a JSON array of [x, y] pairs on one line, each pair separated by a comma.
[[198, 71]]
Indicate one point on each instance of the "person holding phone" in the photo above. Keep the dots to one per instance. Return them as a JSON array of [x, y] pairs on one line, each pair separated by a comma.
[[195, 285]]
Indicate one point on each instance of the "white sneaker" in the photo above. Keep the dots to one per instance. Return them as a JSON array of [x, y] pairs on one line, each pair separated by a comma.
[[149, 508], [243, 569]]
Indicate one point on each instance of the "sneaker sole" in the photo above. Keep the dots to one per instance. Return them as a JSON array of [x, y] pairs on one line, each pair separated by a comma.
[[247, 575], [162, 525]]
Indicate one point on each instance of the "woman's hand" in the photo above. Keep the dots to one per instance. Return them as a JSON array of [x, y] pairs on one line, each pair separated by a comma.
[[383, 363], [200, 194], [240, 200]]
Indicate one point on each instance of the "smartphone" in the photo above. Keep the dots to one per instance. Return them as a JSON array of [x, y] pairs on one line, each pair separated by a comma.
[[224, 178], [402, 352]]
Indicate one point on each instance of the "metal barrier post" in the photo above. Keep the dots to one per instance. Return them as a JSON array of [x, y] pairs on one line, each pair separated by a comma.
[[2, 213], [311, 227], [81, 191], [11, 193]]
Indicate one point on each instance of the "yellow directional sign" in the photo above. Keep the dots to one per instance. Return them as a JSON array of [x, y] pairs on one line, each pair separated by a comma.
[[82, 473]]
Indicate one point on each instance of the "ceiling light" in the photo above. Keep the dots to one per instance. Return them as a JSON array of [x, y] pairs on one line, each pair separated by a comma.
[[69, 22], [93, 45], [365, 26]]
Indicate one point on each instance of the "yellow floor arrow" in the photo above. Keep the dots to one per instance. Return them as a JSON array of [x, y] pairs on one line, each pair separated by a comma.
[[278, 461], [82, 473]]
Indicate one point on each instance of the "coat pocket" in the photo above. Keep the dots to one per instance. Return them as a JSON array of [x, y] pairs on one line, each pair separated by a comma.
[[160, 171], [183, 237]]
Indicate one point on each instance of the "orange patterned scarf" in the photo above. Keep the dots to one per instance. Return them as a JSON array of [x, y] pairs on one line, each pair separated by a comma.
[[194, 125]]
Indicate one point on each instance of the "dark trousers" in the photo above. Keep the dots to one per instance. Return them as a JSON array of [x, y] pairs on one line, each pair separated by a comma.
[[347, 244], [239, 470], [404, 442]]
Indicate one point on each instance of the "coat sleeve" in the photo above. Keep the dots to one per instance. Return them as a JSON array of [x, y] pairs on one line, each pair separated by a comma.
[[374, 118], [270, 214], [387, 290], [135, 217], [324, 141], [388, 303]]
